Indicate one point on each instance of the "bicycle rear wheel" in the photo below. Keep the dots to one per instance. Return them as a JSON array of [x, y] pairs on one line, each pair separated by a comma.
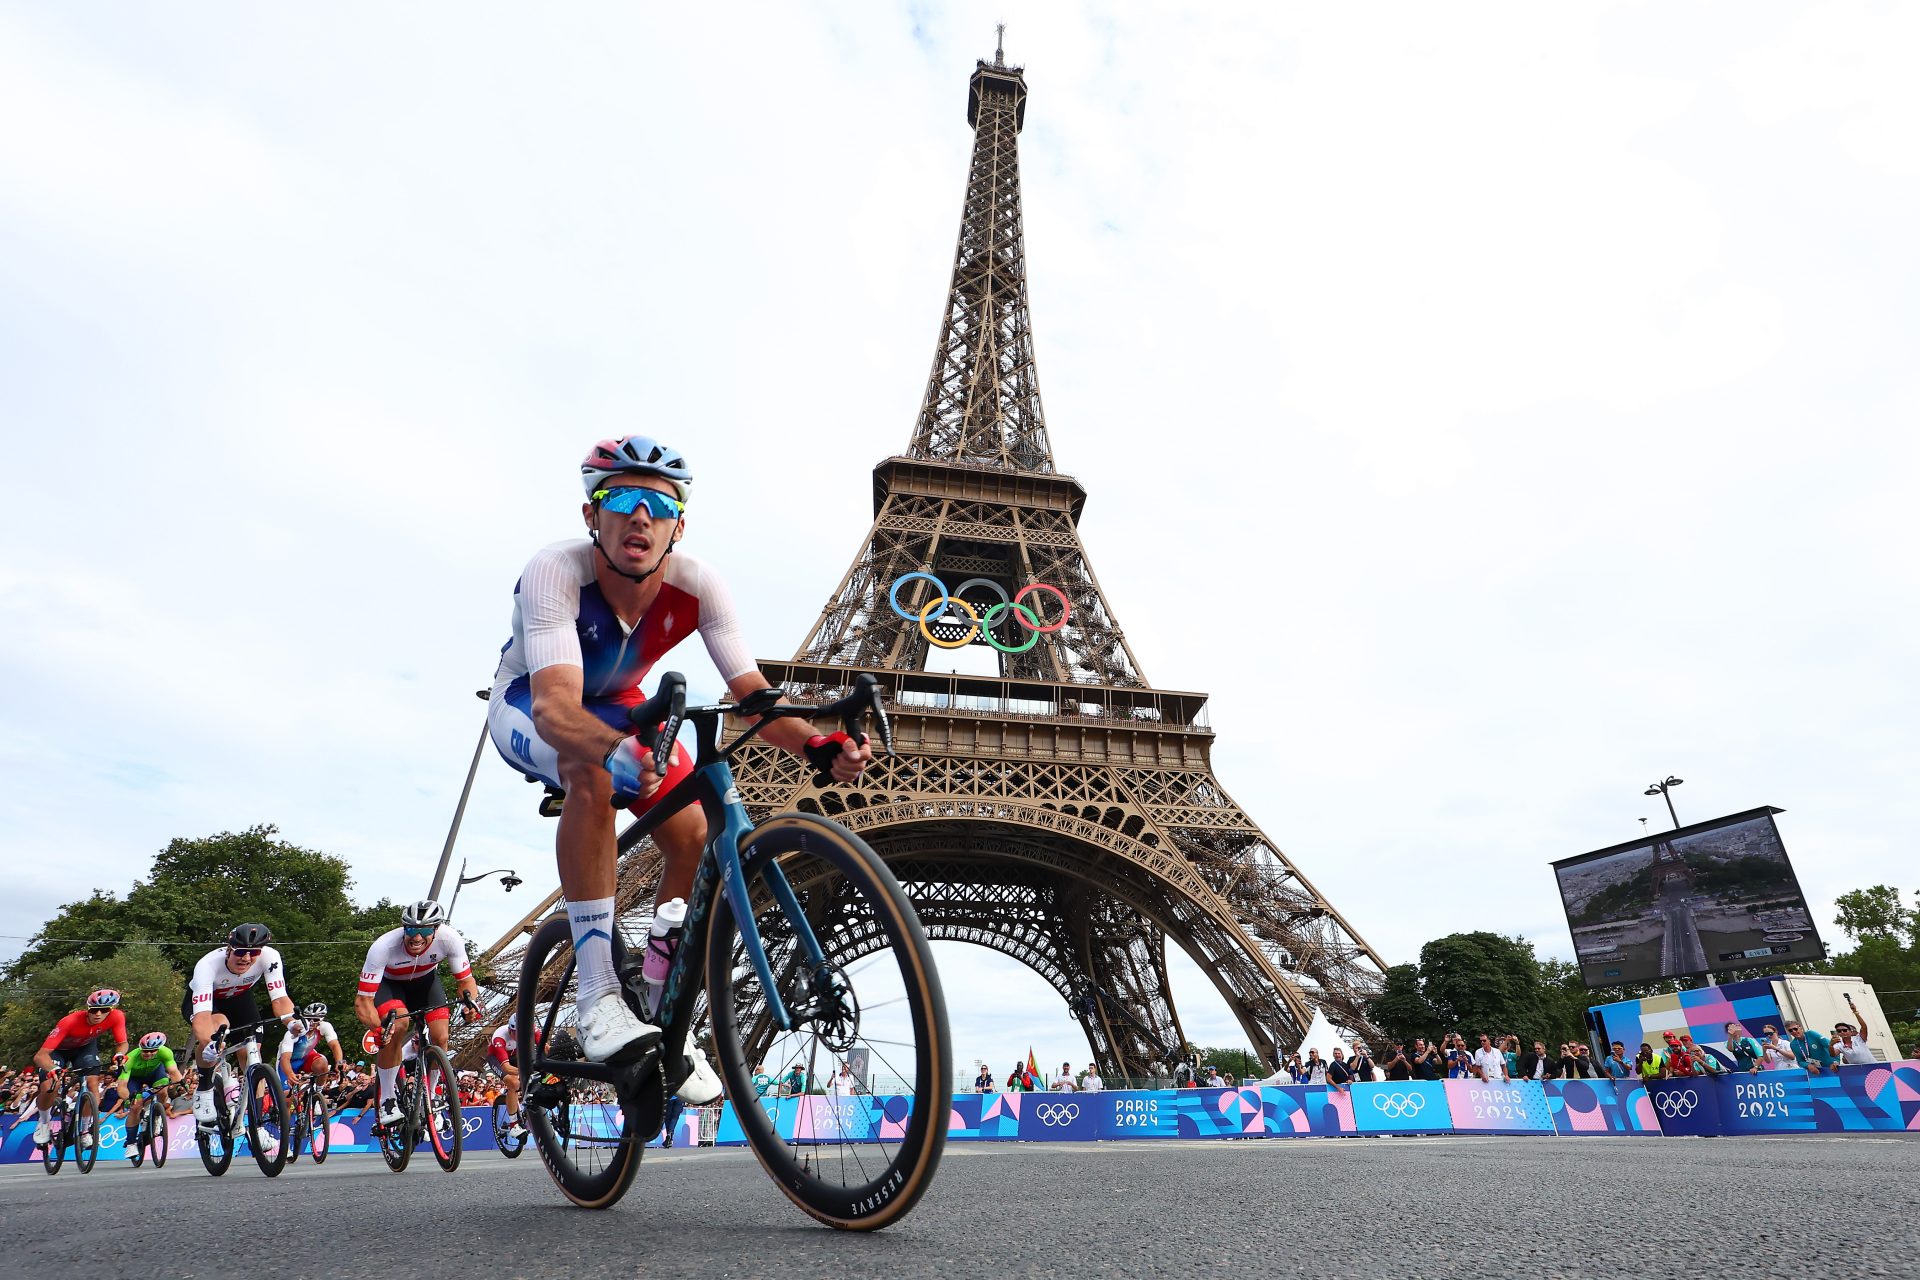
[[591, 1150], [86, 1132], [318, 1138], [216, 1147], [510, 1146], [266, 1119], [443, 1109], [54, 1154], [856, 1162]]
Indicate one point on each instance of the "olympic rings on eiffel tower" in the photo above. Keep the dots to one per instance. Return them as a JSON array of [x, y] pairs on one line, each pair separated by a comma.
[[982, 625]]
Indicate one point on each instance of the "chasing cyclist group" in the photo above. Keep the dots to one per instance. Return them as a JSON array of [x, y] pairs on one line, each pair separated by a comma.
[[591, 618], [223, 1001]]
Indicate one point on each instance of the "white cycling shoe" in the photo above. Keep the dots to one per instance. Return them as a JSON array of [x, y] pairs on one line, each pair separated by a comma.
[[85, 1140], [609, 1029], [701, 1086], [203, 1109], [390, 1114], [42, 1134]]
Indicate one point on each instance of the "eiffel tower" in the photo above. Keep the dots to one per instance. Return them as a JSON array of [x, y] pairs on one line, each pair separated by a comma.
[[1062, 811]]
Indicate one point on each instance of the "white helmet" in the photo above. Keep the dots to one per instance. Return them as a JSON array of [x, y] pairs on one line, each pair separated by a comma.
[[635, 455], [422, 914]]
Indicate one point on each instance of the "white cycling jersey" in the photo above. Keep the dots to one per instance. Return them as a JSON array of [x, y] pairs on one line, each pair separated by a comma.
[[213, 980], [388, 958]]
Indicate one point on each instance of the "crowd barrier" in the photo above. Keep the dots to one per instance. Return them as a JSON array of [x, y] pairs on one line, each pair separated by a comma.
[[350, 1134], [1876, 1099]]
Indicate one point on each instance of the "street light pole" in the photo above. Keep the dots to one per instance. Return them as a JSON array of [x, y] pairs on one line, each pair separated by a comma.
[[1664, 791], [459, 812]]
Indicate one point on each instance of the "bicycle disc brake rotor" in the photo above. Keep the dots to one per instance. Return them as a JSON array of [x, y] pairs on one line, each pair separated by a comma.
[[832, 1009]]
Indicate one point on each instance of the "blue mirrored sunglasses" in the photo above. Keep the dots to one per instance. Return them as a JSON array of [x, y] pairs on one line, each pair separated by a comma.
[[420, 931], [626, 501]]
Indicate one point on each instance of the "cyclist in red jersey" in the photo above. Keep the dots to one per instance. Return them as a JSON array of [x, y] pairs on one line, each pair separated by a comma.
[[73, 1044], [590, 619]]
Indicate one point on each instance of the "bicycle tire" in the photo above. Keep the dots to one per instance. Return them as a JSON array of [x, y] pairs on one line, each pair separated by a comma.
[[54, 1154], [216, 1148], [136, 1140], [443, 1128], [86, 1124], [564, 1158], [319, 1139], [157, 1134], [396, 1141], [509, 1146], [263, 1079], [800, 840], [296, 1125]]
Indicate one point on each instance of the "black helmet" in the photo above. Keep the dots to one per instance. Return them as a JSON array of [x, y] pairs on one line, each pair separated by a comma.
[[249, 937]]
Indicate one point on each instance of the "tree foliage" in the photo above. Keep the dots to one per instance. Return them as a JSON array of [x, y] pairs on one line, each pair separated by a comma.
[[149, 987], [196, 890]]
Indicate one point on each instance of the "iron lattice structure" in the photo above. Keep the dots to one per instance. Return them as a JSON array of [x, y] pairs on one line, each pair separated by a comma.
[[1063, 812]]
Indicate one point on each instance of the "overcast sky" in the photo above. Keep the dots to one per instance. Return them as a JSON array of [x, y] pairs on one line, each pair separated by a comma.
[[1493, 407]]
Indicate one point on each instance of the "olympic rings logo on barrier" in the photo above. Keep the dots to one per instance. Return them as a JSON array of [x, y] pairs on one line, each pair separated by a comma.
[[1678, 1105], [1397, 1106], [470, 1125], [982, 625], [1056, 1115]]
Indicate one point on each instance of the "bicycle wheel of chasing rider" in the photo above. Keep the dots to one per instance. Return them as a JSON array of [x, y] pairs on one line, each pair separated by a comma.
[[591, 1148], [156, 1123], [510, 1146], [55, 1152], [319, 1141], [216, 1146], [296, 1124], [860, 1161], [86, 1132], [137, 1143], [266, 1119], [443, 1109]]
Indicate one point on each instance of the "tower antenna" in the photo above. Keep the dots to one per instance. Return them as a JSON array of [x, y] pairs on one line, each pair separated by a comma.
[[999, 44]]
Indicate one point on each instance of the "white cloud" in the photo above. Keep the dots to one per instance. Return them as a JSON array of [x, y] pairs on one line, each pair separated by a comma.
[[1535, 385]]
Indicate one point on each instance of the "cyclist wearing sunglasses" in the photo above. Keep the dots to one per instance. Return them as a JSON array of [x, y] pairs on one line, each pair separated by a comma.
[[74, 1045], [590, 618], [223, 993], [402, 972]]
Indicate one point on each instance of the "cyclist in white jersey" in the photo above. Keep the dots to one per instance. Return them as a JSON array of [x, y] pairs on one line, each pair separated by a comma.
[[402, 972], [590, 619], [223, 992], [503, 1050]]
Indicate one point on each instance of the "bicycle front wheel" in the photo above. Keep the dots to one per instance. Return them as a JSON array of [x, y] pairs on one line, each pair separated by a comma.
[[216, 1145], [510, 1146], [590, 1147], [266, 1119], [55, 1152], [443, 1109], [857, 1161], [158, 1119], [318, 1138], [86, 1133]]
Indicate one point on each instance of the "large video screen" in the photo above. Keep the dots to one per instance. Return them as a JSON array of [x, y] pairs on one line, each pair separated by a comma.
[[1716, 895]]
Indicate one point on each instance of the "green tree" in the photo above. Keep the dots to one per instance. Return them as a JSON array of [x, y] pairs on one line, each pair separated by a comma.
[[1239, 1063], [1876, 912], [150, 991], [1478, 982], [1401, 1010], [197, 889]]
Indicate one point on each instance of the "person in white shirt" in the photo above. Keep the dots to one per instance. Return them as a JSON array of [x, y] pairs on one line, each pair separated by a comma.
[[1850, 1046], [1489, 1062], [1091, 1082], [843, 1085], [1316, 1067], [1063, 1082]]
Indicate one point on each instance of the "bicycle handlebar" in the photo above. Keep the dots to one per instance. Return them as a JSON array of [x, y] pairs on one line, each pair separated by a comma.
[[666, 711]]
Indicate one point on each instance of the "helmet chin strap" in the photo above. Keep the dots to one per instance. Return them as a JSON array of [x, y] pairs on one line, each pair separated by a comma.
[[633, 577]]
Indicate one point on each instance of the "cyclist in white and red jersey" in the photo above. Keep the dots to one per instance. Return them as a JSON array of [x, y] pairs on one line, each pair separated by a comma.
[[309, 1039], [504, 1049], [74, 1044], [223, 992], [590, 619], [402, 972]]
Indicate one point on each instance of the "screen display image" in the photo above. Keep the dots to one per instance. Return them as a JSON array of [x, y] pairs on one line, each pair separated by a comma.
[[1713, 896]]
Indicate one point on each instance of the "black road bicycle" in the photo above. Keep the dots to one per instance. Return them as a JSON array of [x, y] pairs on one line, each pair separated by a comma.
[[74, 1113], [808, 949], [253, 1098], [510, 1144], [150, 1135], [307, 1119], [429, 1096]]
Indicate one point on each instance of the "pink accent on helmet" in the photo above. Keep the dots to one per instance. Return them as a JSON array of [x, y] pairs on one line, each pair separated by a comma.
[[635, 455]]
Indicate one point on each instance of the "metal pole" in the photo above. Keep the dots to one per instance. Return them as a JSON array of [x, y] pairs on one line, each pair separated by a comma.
[[459, 882], [459, 811], [1665, 794]]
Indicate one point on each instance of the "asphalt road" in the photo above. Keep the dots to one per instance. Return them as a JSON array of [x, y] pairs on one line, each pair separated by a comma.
[[1684, 952], [1533, 1207]]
